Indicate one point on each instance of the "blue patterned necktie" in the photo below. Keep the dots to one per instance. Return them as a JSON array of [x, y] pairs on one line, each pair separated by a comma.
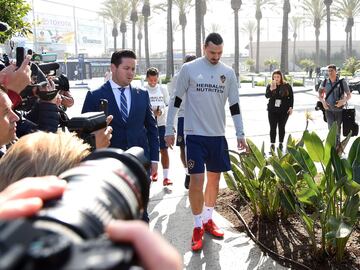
[[123, 105]]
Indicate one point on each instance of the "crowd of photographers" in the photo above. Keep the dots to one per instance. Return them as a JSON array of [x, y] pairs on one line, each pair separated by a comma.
[[32, 99]]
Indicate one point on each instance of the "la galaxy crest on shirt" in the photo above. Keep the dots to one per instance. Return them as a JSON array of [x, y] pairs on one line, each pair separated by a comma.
[[223, 78]]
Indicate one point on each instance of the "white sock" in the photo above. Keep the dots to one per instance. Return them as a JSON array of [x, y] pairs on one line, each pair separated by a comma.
[[186, 171], [207, 213], [198, 221], [165, 173]]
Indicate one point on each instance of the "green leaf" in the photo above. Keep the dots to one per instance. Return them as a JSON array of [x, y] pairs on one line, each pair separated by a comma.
[[330, 143], [314, 146], [351, 208], [344, 230], [307, 196], [306, 162], [338, 166], [259, 159], [287, 200], [351, 187], [230, 181], [354, 153], [311, 183], [233, 158], [285, 172]]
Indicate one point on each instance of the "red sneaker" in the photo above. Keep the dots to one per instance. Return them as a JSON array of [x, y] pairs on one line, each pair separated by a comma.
[[197, 239], [167, 182], [154, 177], [210, 227]]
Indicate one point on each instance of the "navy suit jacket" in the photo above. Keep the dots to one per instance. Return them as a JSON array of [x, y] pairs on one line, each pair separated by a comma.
[[140, 128]]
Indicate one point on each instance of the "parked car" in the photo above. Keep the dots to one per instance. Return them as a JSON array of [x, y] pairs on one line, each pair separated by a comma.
[[354, 83]]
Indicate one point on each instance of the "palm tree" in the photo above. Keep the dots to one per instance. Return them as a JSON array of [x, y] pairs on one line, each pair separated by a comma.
[[169, 51], [284, 66], [348, 9], [146, 14], [134, 18], [316, 12], [236, 5], [328, 40], [249, 28], [140, 26], [124, 9], [295, 24], [203, 13], [198, 4], [110, 10], [258, 15], [183, 6]]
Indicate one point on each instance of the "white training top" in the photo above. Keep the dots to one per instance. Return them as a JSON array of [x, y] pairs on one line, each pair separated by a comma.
[[171, 89], [207, 87], [159, 97]]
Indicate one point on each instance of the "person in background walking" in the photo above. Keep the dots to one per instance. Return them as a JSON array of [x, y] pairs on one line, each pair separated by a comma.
[[159, 99], [280, 106]]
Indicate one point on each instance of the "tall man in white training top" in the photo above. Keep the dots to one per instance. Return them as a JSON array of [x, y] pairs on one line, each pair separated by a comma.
[[207, 84]]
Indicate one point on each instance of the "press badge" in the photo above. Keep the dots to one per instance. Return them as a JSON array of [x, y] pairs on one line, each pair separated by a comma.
[[277, 102]]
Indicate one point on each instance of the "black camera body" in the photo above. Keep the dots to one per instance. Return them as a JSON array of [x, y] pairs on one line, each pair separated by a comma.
[[68, 233], [85, 124]]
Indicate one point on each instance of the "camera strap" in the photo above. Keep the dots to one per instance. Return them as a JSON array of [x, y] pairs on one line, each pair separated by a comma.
[[332, 88]]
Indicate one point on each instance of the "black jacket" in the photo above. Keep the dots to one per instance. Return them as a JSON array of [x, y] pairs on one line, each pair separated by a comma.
[[287, 99], [44, 116]]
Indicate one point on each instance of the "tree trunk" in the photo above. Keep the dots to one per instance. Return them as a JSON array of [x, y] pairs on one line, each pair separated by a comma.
[[236, 64], [251, 47], [146, 31], [183, 42], [169, 53], [350, 43], [198, 27], [123, 40], [257, 47], [294, 53], [347, 45], [317, 46], [284, 64], [328, 39], [133, 36]]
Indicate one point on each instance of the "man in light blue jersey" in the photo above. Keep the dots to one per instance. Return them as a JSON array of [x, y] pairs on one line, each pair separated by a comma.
[[207, 84]]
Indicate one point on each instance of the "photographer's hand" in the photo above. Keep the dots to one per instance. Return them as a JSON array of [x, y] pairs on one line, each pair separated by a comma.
[[103, 136], [25, 197], [160, 256], [16, 79]]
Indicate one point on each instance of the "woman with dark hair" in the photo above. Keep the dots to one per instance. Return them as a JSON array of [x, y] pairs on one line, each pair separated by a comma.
[[280, 106]]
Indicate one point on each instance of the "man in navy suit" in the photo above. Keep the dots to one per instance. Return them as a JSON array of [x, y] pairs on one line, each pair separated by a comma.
[[134, 123]]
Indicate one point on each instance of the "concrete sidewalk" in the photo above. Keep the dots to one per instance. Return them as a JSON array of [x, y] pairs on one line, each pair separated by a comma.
[[170, 214]]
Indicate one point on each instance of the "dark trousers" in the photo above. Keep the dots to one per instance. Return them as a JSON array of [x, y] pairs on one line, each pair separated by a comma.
[[335, 116], [277, 119]]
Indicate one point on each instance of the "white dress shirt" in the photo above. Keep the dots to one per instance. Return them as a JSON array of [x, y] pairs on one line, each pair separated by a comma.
[[116, 90]]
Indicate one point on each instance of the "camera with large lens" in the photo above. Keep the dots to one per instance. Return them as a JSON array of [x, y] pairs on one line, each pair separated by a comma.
[[68, 233]]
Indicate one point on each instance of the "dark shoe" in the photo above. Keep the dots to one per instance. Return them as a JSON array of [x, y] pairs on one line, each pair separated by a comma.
[[187, 181], [210, 227], [167, 182], [197, 239], [281, 146]]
